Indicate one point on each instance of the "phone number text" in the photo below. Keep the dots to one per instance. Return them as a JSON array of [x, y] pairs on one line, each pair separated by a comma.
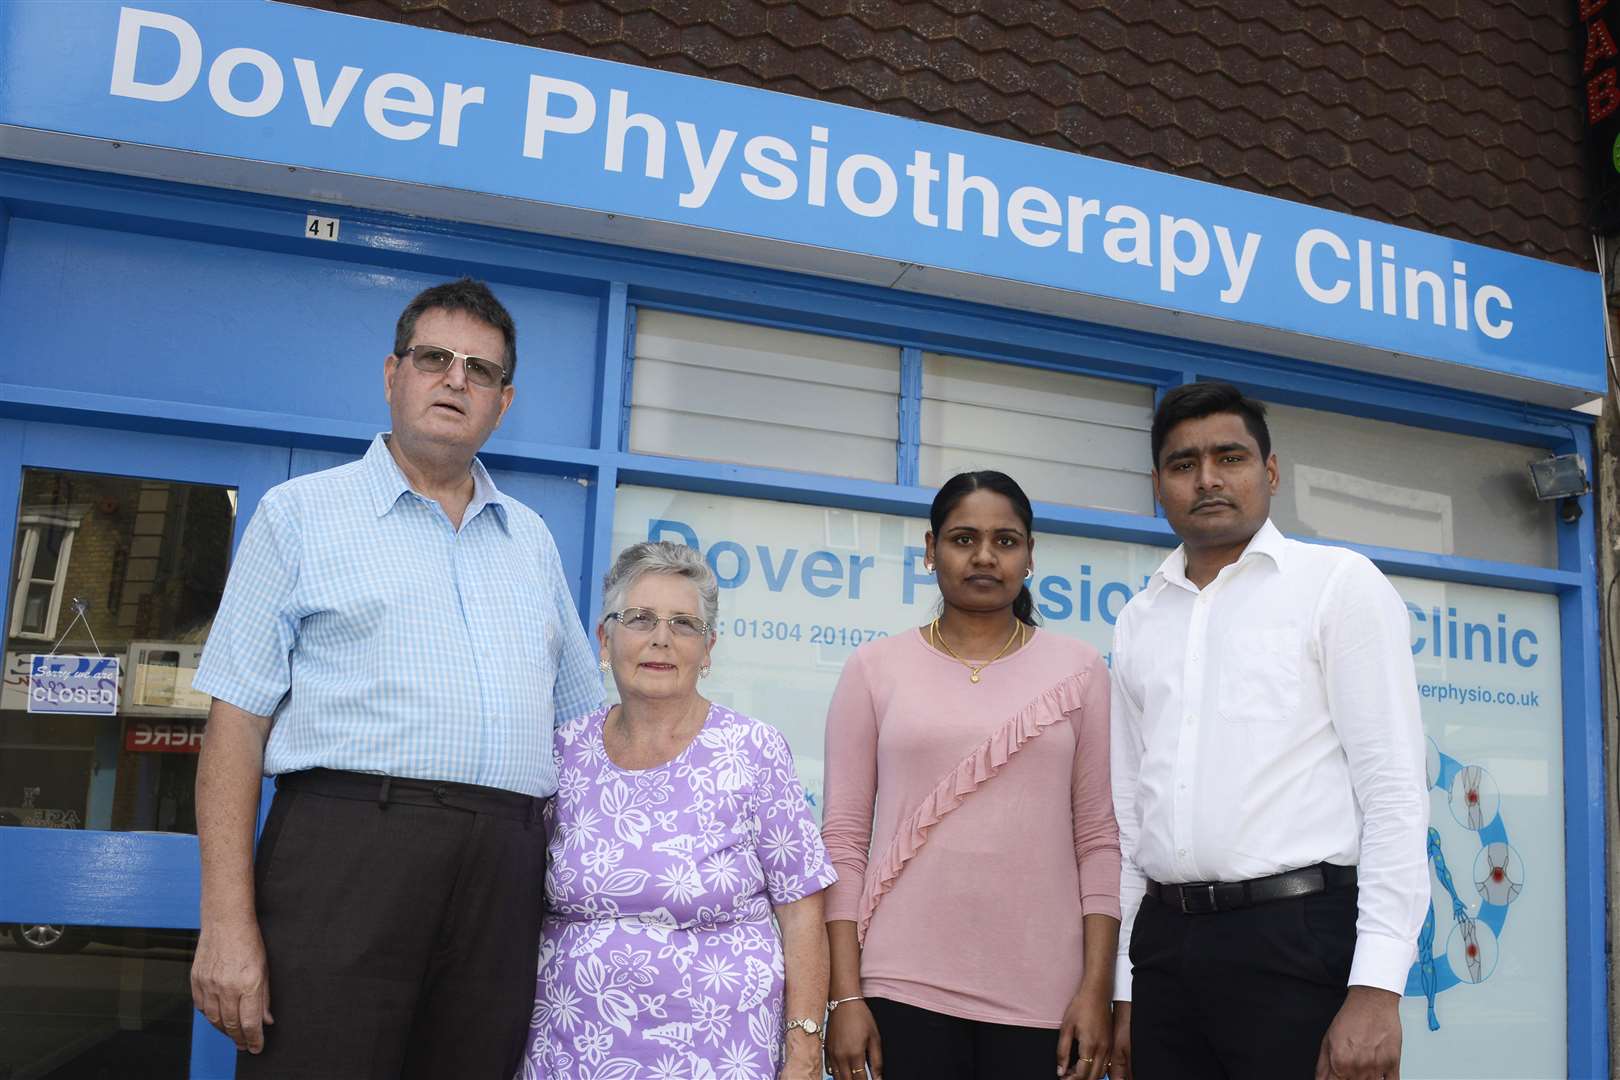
[[812, 633]]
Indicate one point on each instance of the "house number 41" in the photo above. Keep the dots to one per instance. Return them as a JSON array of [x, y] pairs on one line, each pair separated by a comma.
[[321, 228]]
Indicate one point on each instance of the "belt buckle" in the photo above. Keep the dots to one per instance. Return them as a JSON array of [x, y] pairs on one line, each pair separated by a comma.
[[1187, 891]]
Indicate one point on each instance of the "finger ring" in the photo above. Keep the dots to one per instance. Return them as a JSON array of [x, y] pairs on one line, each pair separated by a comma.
[[1087, 1061]]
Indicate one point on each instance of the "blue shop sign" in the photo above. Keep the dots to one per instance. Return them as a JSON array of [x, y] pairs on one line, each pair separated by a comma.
[[275, 83]]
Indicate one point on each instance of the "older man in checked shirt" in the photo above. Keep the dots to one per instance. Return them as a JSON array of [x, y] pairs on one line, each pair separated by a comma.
[[395, 644], [1269, 784]]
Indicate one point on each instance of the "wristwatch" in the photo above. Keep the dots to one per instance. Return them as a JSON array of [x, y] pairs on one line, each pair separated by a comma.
[[807, 1025]]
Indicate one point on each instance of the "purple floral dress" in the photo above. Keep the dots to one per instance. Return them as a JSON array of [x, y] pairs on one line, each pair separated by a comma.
[[659, 959]]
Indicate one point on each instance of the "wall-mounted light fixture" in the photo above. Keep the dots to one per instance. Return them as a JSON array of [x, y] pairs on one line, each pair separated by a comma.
[[1561, 477]]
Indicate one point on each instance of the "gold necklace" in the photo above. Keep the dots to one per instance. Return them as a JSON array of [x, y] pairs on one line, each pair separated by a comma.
[[938, 641]]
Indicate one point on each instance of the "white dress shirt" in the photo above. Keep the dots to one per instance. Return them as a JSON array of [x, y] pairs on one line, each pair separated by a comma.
[[1270, 721]]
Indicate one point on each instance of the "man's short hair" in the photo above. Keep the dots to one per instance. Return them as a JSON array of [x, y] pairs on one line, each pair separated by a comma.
[[1198, 400], [465, 295]]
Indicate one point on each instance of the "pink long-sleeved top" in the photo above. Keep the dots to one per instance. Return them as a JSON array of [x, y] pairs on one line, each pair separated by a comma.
[[972, 825]]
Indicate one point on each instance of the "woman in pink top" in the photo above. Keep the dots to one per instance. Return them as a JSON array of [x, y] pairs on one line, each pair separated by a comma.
[[976, 914]]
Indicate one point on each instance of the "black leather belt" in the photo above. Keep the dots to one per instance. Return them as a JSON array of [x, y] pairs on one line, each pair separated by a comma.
[[1206, 897], [386, 790]]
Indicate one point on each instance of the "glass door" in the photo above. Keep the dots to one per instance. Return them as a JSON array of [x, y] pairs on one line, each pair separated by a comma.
[[120, 545]]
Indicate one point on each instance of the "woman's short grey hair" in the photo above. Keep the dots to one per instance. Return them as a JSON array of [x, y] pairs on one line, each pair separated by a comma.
[[661, 557]]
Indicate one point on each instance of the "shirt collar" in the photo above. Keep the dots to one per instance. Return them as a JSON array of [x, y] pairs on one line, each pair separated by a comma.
[[1267, 541], [388, 483]]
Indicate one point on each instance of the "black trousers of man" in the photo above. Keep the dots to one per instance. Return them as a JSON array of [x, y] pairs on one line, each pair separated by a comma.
[[1238, 994], [401, 920]]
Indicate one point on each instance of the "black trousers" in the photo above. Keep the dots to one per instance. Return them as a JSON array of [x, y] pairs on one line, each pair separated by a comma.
[[919, 1044], [402, 927], [1239, 994]]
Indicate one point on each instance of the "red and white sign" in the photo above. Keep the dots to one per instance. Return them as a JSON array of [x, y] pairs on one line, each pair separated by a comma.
[[163, 736]]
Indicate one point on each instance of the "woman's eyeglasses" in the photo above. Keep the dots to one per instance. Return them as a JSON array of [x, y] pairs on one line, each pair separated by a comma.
[[642, 621]]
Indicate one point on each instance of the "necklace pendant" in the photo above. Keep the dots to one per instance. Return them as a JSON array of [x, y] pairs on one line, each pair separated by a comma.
[[973, 676]]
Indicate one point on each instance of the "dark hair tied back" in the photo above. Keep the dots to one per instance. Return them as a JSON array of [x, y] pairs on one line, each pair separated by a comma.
[[962, 485]]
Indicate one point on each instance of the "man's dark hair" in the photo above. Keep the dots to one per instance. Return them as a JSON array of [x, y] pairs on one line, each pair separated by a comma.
[[465, 295], [1198, 400]]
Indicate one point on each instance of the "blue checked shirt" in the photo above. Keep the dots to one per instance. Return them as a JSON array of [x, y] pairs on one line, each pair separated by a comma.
[[381, 640]]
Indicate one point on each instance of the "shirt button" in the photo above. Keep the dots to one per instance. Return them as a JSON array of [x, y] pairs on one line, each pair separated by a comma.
[[1191, 719], [1181, 851]]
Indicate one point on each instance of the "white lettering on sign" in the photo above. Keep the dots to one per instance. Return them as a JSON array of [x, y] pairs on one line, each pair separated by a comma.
[[130, 24], [323, 110], [72, 683], [270, 82], [387, 95], [1321, 261], [541, 120], [1177, 253], [74, 695]]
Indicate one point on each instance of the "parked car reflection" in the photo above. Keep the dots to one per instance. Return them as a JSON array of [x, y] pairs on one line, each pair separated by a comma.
[[58, 938], [94, 1003]]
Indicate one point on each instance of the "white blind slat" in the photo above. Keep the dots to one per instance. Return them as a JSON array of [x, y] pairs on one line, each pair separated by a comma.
[[721, 391], [1065, 438]]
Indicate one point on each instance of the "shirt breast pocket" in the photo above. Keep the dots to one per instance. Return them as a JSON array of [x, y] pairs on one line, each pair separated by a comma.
[[1261, 674], [528, 612]]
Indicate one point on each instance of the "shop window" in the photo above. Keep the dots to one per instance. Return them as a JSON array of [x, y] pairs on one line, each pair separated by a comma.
[[95, 1001], [1374, 482], [148, 560], [1065, 438], [802, 586], [722, 391], [44, 543]]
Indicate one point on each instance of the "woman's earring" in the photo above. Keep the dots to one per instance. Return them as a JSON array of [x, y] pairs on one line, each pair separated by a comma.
[[1029, 573], [928, 565], [604, 665], [703, 672]]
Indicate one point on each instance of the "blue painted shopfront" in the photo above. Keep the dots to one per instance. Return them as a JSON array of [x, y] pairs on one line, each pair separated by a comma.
[[188, 333]]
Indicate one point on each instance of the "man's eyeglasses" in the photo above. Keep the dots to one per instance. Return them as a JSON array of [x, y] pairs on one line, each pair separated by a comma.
[[436, 360], [643, 621]]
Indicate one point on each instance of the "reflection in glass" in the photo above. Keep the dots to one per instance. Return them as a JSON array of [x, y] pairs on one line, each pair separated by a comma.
[[95, 1002], [1375, 482], [148, 559]]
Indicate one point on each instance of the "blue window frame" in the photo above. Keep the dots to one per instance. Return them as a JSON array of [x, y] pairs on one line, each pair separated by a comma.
[[592, 451], [120, 879]]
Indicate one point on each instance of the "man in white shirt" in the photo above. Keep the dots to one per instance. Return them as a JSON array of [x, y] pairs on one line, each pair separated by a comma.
[[1268, 770]]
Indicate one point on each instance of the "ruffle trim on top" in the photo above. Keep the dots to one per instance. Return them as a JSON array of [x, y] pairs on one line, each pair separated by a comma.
[[970, 774]]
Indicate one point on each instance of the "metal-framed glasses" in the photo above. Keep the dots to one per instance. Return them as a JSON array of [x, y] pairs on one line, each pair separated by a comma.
[[436, 360], [642, 621]]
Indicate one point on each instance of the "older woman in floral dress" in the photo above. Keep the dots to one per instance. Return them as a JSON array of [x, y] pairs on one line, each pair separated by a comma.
[[678, 829]]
